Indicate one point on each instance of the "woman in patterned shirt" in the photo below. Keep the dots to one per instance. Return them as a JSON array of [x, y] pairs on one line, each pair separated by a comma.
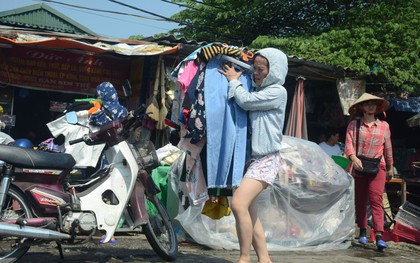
[[374, 142]]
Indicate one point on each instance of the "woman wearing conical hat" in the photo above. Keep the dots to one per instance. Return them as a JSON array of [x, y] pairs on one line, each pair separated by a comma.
[[374, 142]]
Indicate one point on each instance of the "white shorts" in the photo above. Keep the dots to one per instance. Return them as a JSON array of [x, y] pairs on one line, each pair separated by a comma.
[[265, 168]]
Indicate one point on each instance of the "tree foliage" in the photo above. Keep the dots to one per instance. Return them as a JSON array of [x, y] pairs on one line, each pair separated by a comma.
[[378, 38], [381, 41], [136, 37], [243, 20]]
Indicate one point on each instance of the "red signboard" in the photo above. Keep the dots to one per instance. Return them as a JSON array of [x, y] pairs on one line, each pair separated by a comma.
[[60, 71]]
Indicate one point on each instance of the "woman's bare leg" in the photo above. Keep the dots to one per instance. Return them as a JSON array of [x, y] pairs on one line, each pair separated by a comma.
[[258, 238], [242, 199]]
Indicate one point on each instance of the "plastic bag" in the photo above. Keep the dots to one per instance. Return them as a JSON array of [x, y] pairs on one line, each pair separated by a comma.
[[216, 207], [310, 206]]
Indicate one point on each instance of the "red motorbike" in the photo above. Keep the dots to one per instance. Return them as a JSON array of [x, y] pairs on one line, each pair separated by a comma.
[[40, 202]]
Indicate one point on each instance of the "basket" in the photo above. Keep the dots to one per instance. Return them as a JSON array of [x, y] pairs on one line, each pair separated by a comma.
[[409, 214], [404, 233], [343, 162], [407, 223]]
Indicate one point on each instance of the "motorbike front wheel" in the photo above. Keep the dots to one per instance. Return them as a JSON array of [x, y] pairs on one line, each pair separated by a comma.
[[159, 231], [15, 206]]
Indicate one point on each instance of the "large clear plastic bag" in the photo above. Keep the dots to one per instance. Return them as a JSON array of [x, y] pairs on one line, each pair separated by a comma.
[[310, 206]]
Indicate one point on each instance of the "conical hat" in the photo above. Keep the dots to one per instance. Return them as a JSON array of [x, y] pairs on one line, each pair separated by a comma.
[[382, 103]]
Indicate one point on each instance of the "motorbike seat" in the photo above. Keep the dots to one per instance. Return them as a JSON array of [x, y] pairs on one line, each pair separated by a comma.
[[29, 158]]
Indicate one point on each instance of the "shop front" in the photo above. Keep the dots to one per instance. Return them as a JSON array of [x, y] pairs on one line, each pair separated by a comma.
[[40, 77]]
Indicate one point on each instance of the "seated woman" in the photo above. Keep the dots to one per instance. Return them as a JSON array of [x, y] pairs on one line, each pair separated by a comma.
[[330, 145]]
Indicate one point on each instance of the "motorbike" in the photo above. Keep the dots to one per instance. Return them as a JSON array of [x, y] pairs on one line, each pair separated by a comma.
[[40, 202]]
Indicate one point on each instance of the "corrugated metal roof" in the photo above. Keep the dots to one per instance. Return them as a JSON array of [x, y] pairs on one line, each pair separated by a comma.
[[66, 43], [317, 70], [43, 17], [172, 39], [12, 33]]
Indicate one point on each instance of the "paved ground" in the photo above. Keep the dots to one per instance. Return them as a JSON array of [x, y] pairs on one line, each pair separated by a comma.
[[136, 249]]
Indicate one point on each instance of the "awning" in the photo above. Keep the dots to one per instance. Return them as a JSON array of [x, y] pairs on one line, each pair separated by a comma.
[[99, 47], [409, 105]]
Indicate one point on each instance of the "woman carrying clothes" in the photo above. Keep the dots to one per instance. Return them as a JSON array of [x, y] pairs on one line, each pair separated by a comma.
[[374, 142], [266, 106]]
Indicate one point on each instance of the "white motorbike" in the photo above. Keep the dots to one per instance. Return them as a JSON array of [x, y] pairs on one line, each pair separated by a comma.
[[39, 202]]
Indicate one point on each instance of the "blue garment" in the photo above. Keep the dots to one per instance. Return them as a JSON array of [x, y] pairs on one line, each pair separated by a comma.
[[113, 110], [226, 129]]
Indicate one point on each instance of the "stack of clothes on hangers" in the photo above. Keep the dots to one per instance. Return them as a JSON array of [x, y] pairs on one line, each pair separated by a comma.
[[213, 128]]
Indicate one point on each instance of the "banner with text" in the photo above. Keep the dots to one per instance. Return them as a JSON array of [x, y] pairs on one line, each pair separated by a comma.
[[61, 71]]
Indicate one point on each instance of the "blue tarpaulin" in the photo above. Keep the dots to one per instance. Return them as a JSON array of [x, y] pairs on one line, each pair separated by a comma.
[[409, 105]]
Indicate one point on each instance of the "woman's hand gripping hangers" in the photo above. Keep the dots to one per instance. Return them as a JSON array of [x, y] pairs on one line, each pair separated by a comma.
[[230, 72]]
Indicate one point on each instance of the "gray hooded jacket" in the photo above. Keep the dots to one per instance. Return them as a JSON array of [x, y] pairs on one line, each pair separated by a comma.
[[266, 104]]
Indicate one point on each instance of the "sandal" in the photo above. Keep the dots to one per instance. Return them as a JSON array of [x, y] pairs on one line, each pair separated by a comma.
[[363, 240], [381, 245], [111, 241]]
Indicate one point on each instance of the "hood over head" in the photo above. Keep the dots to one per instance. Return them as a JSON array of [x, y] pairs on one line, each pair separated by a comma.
[[277, 62]]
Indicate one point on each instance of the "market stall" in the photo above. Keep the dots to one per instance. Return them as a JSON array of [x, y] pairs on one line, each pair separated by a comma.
[[309, 206]]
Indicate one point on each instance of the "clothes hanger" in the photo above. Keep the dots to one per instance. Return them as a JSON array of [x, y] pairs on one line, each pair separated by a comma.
[[236, 61]]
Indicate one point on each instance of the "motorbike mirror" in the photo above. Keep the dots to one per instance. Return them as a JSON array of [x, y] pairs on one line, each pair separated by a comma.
[[127, 88], [71, 117]]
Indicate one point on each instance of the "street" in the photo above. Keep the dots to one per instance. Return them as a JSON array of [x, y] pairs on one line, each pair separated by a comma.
[[130, 248]]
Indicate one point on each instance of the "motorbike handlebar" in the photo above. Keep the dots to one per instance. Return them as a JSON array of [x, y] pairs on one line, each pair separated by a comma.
[[113, 129], [76, 141]]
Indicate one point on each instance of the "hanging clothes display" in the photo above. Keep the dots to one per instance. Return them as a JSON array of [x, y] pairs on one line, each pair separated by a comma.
[[186, 73], [197, 119], [153, 105], [163, 111]]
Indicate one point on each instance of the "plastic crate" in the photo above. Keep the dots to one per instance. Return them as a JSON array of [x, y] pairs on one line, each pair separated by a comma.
[[407, 233], [409, 215]]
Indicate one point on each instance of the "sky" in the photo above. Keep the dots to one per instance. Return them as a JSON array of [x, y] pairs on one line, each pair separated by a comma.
[[107, 24]]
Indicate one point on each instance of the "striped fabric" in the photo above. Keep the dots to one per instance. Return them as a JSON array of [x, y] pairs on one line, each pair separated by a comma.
[[209, 52]]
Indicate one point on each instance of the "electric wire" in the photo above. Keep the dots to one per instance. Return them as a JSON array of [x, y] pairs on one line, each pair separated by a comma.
[[150, 13], [114, 18], [162, 18], [105, 11], [203, 10], [189, 7], [209, 5]]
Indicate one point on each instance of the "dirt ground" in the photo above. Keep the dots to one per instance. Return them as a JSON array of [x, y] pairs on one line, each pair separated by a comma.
[[130, 248]]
